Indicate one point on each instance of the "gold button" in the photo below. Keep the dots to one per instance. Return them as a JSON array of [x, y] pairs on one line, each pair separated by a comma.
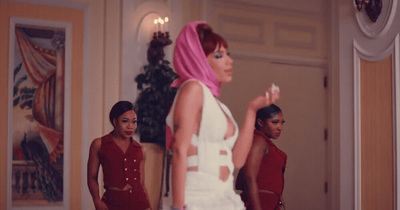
[[134, 169], [134, 178], [134, 160], [124, 159], [126, 169], [126, 179], [130, 191]]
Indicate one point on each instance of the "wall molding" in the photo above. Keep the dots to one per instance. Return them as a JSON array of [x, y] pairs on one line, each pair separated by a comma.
[[280, 59], [295, 28], [358, 54], [265, 8], [257, 25]]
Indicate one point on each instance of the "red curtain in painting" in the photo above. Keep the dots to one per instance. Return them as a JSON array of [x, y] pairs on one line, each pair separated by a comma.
[[42, 66]]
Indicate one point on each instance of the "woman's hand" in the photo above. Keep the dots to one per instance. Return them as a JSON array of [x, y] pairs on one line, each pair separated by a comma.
[[243, 143], [100, 205], [271, 96]]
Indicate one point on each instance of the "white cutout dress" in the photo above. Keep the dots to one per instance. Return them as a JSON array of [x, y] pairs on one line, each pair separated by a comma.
[[204, 189]]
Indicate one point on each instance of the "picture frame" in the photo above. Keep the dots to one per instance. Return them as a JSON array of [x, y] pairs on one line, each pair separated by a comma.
[[38, 144]]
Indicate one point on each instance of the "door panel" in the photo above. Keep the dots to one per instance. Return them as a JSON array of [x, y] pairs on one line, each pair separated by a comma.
[[303, 102]]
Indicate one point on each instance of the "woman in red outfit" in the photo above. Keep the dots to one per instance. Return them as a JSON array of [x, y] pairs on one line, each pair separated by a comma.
[[262, 178], [122, 160]]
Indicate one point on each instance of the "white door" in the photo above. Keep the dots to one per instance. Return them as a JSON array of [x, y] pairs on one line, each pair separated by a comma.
[[303, 102]]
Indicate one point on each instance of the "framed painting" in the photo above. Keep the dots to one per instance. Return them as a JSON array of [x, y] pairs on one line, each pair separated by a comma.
[[38, 114]]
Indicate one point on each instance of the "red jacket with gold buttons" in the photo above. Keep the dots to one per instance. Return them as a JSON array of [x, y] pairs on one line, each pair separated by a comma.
[[120, 169]]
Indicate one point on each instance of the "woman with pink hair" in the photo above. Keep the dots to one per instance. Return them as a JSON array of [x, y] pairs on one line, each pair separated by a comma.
[[205, 139]]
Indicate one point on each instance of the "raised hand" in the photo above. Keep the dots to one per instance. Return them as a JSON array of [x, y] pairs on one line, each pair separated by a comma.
[[271, 95]]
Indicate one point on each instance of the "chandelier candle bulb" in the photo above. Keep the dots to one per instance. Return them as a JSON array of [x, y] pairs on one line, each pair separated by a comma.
[[162, 23], [159, 24], [155, 25], [166, 19]]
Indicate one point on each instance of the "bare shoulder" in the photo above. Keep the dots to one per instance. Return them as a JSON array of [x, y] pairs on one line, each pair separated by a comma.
[[191, 87], [259, 142], [190, 94], [188, 107], [96, 144]]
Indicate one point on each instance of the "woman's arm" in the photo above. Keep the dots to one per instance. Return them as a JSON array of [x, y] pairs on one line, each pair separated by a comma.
[[252, 167], [92, 173], [243, 143], [187, 116], [141, 167]]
